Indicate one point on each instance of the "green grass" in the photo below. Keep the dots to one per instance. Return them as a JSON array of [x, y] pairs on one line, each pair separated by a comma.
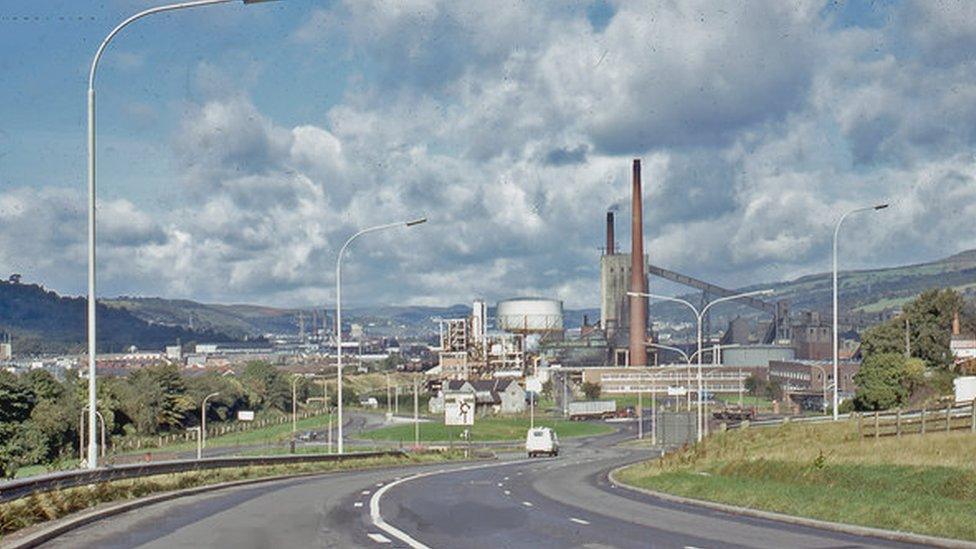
[[269, 435], [487, 429], [42, 507], [919, 484]]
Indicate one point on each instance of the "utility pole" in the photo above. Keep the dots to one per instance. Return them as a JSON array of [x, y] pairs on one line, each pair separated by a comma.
[[908, 339], [416, 416]]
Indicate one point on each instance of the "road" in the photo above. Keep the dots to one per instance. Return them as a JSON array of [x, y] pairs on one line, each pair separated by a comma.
[[560, 502]]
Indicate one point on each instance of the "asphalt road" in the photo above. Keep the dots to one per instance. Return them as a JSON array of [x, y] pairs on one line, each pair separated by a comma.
[[560, 502]]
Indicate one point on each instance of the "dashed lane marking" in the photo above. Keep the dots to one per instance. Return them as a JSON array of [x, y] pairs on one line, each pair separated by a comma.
[[500, 485], [508, 492], [379, 538], [527, 503], [374, 502], [578, 521], [365, 492], [378, 484], [357, 504]]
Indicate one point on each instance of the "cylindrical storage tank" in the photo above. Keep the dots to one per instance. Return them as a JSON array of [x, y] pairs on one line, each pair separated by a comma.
[[529, 314]]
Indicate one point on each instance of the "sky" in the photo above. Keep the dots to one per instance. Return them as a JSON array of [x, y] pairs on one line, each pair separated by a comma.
[[239, 146]]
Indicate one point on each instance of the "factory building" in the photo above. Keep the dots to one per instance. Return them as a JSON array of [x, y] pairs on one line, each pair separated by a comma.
[[623, 318]]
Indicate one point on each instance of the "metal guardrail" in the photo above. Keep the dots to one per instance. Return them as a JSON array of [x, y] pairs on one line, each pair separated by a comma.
[[955, 411], [20, 488]]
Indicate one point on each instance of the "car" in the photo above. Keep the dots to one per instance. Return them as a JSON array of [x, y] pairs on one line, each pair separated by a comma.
[[541, 441], [308, 436]]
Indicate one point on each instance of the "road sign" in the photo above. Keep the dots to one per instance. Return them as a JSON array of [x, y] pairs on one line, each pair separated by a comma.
[[677, 391], [459, 409], [245, 415]]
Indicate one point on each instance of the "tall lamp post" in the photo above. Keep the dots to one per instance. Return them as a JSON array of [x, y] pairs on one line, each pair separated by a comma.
[[92, 447], [699, 315], [339, 307], [835, 341], [202, 439]]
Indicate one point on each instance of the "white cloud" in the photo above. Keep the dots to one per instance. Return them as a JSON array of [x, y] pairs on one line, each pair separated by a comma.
[[513, 126]]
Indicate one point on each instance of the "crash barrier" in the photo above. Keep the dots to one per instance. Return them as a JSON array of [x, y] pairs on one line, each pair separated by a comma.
[[896, 422], [19, 488]]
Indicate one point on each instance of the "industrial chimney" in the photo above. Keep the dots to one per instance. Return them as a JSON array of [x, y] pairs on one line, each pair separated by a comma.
[[956, 329], [638, 305], [610, 244]]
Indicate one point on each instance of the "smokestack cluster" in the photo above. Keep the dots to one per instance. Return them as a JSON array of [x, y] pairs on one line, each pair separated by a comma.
[[638, 281], [610, 244]]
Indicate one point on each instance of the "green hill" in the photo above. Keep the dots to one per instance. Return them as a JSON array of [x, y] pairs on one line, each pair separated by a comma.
[[41, 321]]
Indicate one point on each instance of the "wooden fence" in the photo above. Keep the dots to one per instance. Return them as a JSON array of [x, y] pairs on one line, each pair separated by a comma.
[[917, 422]]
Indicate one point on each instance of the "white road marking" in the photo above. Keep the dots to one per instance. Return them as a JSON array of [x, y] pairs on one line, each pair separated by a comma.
[[357, 504], [508, 492], [374, 502], [379, 538], [378, 484], [578, 521], [365, 492], [500, 485], [691, 547], [527, 503], [506, 478]]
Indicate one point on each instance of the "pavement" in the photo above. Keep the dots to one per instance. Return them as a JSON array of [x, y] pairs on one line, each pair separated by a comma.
[[514, 502]]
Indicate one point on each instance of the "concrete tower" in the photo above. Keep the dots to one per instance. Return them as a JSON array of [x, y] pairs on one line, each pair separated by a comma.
[[638, 281]]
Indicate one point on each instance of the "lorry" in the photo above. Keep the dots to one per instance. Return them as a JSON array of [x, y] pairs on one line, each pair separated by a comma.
[[592, 409], [541, 440], [735, 413]]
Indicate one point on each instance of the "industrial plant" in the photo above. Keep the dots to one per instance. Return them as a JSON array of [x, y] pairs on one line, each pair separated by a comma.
[[526, 337]]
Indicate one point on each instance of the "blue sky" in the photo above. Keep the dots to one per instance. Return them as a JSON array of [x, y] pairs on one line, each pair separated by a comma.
[[240, 145]]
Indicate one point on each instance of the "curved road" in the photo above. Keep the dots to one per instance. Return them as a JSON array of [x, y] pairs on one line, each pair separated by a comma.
[[561, 502]]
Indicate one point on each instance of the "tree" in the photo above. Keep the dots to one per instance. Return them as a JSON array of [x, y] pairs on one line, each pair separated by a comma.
[[591, 390], [881, 382], [265, 386], [16, 399]]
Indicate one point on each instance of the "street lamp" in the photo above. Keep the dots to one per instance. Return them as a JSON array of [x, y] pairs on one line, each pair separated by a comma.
[[92, 447], [835, 341], [339, 306], [699, 315], [824, 384], [202, 439]]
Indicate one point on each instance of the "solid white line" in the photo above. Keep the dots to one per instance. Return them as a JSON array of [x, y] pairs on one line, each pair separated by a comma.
[[578, 521], [379, 538], [374, 502], [527, 503]]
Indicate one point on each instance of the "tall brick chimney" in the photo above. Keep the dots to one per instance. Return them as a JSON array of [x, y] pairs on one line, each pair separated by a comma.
[[638, 305], [610, 243]]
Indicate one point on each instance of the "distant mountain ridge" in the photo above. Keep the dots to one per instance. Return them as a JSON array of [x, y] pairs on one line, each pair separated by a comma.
[[42, 320]]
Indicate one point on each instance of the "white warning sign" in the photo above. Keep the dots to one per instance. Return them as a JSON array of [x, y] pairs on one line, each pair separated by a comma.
[[459, 409]]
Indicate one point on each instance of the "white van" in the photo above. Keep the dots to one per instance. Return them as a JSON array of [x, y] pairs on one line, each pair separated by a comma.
[[541, 440]]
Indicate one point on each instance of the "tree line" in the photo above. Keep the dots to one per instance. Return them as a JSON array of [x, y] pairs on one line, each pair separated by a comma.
[[39, 414], [907, 360]]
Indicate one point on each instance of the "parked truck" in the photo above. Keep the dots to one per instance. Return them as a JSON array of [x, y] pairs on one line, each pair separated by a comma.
[[592, 409], [735, 413]]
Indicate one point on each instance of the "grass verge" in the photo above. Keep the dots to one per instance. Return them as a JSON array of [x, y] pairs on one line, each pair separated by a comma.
[[38, 508], [486, 430], [925, 485]]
